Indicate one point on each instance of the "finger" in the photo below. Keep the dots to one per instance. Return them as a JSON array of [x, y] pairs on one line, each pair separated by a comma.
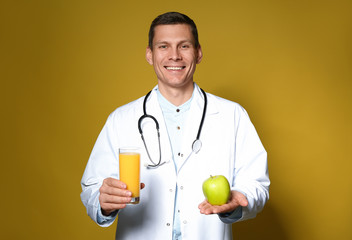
[[202, 204], [106, 189], [215, 209], [206, 208], [109, 203], [108, 208], [211, 210], [222, 209], [142, 185], [240, 198], [114, 183], [106, 198], [244, 202]]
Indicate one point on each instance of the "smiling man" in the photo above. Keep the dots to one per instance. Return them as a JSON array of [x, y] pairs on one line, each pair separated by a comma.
[[200, 135]]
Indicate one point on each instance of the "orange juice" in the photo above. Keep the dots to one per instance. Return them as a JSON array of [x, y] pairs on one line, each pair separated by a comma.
[[130, 172]]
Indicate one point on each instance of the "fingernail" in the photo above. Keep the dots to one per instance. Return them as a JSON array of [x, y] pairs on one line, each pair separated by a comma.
[[128, 194]]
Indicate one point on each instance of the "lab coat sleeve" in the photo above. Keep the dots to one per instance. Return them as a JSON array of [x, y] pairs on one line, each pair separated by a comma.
[[250, 174], [231, 217], [102, 164], [105, 220]]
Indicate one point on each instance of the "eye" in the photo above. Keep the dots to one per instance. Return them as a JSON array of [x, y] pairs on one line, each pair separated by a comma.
[[185, 46], [162, 46]]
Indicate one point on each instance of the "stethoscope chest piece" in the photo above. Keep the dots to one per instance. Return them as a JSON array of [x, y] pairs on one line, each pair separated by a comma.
[[196, 146]]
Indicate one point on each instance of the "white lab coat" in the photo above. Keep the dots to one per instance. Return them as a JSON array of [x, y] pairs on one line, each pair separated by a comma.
[[230, 147]]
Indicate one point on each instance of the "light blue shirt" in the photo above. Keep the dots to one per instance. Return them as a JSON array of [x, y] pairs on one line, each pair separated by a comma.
[[175, 117]]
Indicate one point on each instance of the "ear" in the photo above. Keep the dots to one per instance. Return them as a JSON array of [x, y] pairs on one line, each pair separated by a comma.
[[149, 55], [199, 54]]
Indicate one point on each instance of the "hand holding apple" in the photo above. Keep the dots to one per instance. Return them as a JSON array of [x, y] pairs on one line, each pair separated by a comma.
[[216, 190], [219, 198], [237, 199]]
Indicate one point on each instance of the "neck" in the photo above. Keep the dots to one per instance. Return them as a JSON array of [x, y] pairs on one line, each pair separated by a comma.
[[177, 96]]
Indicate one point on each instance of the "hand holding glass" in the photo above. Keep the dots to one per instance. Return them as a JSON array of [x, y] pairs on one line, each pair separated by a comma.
[[129, 165]]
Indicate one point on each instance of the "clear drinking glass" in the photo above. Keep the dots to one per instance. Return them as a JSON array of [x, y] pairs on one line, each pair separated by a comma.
[[129, 164]]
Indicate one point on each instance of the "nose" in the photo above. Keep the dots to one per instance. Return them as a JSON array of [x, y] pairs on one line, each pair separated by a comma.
[[175, 54]]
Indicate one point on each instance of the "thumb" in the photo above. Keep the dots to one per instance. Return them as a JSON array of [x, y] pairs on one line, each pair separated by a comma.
[[242, 200]]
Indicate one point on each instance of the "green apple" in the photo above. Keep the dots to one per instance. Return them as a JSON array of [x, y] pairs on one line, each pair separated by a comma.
[[216, 190]]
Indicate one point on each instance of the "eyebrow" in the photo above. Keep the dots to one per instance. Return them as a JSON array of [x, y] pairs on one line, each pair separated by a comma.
[[181, 42]]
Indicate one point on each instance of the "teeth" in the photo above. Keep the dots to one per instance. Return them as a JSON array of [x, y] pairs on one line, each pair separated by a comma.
[[174, 68]]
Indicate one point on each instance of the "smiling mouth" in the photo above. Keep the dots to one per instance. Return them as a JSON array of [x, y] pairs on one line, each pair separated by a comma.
[[174, 68]]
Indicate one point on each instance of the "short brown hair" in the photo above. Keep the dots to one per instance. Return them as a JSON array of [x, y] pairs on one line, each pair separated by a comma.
[[171, 18]]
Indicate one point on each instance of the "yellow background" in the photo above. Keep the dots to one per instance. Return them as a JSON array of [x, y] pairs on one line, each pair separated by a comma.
[[65, 65]]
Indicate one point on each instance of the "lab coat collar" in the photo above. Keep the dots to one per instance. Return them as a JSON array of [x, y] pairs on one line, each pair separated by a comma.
[[198, 100]]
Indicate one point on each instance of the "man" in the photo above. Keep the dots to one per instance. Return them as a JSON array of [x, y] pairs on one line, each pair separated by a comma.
[[172, 204]]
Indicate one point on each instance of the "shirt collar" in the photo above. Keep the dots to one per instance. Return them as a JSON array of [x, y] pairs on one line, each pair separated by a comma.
[[168, 107]]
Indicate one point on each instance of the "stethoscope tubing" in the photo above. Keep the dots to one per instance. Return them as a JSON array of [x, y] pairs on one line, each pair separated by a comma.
[[196, 144]]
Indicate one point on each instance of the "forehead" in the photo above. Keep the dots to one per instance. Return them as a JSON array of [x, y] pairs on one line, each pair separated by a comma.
[[173, 33]]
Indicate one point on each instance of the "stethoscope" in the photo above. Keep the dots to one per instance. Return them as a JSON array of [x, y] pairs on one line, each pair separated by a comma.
[[197, 144]]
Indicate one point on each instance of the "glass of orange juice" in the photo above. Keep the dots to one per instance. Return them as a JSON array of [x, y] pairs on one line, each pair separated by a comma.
[[129, 165]]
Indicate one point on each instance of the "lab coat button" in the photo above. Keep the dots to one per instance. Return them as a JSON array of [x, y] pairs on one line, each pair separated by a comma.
[[185, 222], [170, 190], [168, 224], [181, 187]]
